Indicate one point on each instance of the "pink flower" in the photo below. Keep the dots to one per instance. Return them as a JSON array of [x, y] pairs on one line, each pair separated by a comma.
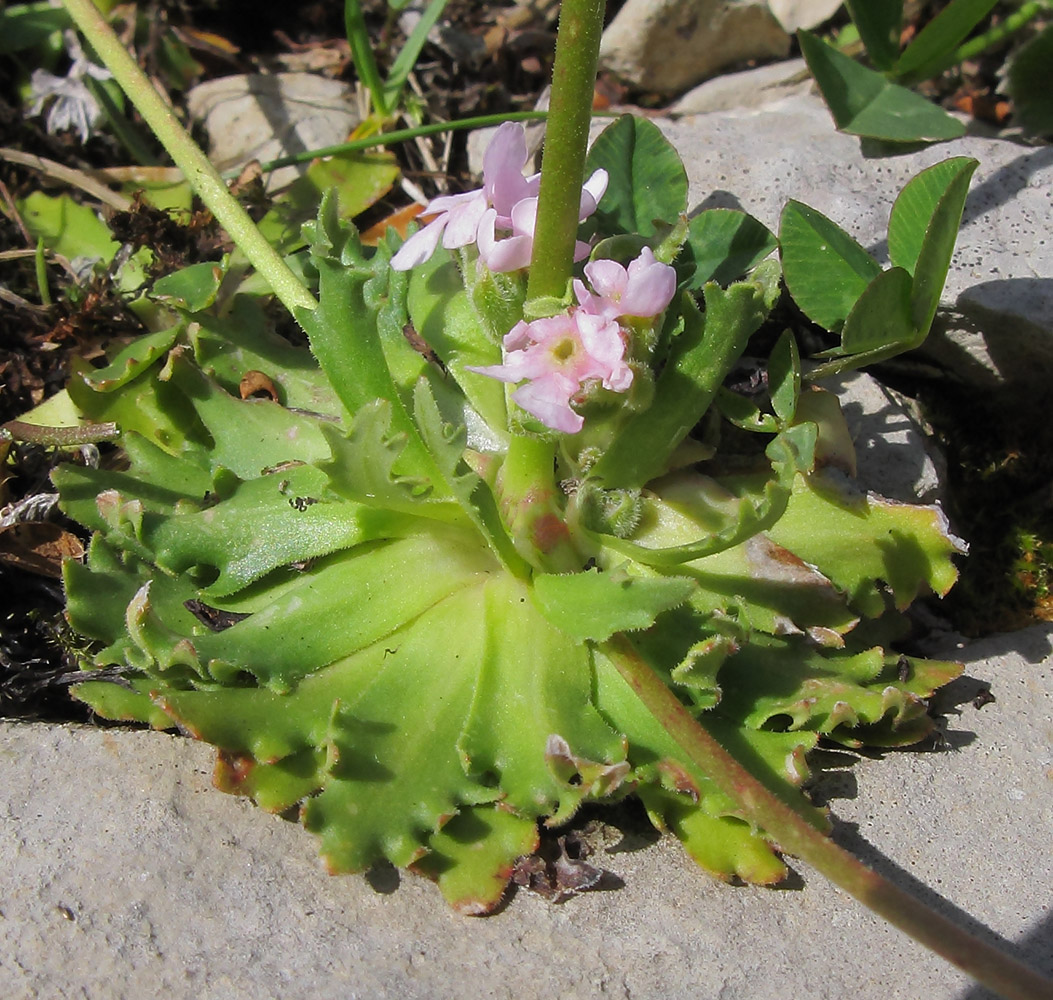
[[643, 289], [556, 356], [504, 186], [514, 251], [506, 204]]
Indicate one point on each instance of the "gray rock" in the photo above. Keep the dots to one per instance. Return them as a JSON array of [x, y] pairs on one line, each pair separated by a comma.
[[124, 875], [251, 116], [794, 14], [752, 88], [895, 454], [667, 46], [996, 319]]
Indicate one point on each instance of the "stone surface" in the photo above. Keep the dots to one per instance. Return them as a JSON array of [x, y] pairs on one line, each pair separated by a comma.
[[667, 46], [752, 88], [895, 454], [996, 318], [256, 117], [124, 875], [794, 14]]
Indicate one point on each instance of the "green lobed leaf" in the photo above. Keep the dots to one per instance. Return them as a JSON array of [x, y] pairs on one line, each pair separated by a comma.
[[830, 692], [122, 704], [826, 270], [473, 856], [154, 409], [595, 605], [265, 523], [724, 846], [276, 786], [725, 521], [534, 684], [294, 635], [858, 540], [394, 774], [133, 359], [717, 837], [864, 103], [243, 342], [445, 317], [647, 182], [344, 336], [269, 434], [446, 444], [192, 288]]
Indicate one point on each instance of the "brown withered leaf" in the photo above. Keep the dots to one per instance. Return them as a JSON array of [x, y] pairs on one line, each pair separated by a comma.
[[558, 871], [255, 383], [39, 547], [215, 618]]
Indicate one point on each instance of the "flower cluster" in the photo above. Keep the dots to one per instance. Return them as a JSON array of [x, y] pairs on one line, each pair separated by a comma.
[[560, 359], [499, 217], [559, 356]]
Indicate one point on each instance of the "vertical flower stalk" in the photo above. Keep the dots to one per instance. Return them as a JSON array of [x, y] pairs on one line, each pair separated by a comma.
[[530, 495], [566, 142]]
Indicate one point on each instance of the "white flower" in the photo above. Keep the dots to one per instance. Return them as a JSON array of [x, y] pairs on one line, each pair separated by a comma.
[[73, 105]]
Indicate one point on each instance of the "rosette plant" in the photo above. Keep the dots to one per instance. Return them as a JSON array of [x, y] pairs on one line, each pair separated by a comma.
[[506, 538]]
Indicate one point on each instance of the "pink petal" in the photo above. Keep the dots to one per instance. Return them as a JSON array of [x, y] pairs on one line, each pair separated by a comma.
[[548, 399], [420, 246], [507, 152], [584, 297], [502, 255], [503, 163], [651, 286], [581, 250], [524, 217], [450, 202], [607, 277], [464, 223], [518, 337], [591, 193], [500, 372]]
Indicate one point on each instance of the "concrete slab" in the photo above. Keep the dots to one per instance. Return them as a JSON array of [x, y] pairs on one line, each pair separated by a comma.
[[123, 874]]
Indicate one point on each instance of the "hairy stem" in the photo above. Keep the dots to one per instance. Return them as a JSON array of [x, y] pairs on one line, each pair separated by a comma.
[[795, 835], [566, 139], [528, 499], [199, 172]]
